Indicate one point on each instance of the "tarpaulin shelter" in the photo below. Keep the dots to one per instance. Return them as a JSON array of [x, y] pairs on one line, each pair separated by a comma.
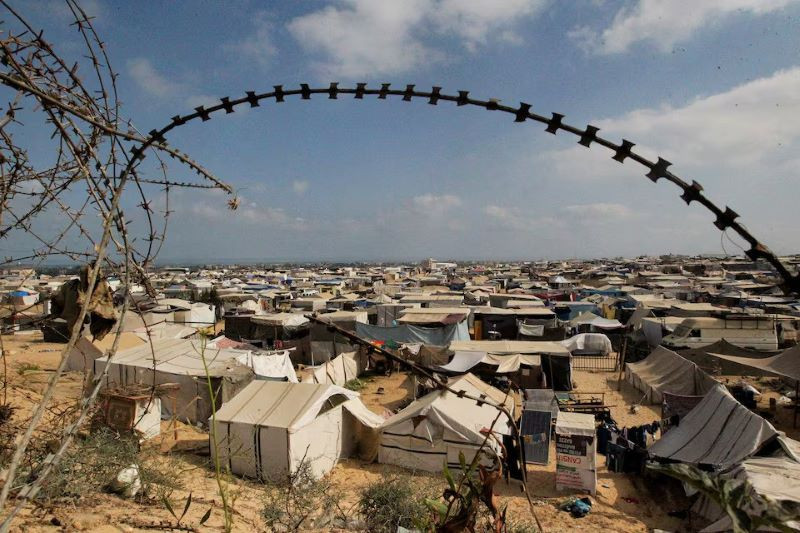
[[590, 319], [434, 316], [665, 371], [269, 365], [180, 361], [706, 358], [774, 479], [505, 357], [437, 427], [71, 296], [426, 355], [410, 334], [718, 432], [588, 343], [271, 427], [785, 364]]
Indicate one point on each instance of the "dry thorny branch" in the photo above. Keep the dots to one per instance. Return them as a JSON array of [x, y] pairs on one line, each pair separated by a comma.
[[70, 168]]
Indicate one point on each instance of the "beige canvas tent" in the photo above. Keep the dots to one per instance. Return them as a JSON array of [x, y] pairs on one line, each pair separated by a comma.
[[718, 432], [437, 427], [337, 371], [271, 428], [180, 361], [664, 371]]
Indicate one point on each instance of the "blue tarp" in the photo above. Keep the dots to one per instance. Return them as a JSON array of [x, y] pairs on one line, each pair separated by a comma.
[[21, 293], [408, 334]]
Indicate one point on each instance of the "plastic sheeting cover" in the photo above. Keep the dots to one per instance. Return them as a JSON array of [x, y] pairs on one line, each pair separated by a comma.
[[408, 334], [277, 365], [588, 342]]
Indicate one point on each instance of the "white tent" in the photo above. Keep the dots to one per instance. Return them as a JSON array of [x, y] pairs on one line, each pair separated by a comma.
[[271, 428], [719, 432], [180, 361], [337, 371], [435, 428]]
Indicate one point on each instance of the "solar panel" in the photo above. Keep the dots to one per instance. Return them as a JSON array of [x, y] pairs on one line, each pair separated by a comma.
[[535, 429]]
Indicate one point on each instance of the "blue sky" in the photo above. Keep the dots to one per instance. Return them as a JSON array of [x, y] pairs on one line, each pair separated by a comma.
[[711, 85]]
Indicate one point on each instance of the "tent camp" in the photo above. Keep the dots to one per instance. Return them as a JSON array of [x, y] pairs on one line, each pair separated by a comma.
[[664, 371], [179, 361], [270, 428], [435, 428], [718, 432]]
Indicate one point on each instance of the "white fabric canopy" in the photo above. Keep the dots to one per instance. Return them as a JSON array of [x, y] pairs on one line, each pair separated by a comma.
[[530, 330], [269, 365], [588, 342], [589, 318], [463, 361], [569, 423]]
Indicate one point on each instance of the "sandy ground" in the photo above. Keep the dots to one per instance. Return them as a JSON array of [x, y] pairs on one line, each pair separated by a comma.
[[623, 502]]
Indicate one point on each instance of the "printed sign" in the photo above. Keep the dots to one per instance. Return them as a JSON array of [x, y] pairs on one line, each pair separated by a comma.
[[575, 462]]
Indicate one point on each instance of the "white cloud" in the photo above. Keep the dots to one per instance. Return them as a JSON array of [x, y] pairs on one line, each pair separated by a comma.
[[249, 212], [745, 129], [378, 37], [300, 187], [600, 211], [665, 22], [259, 45], [514, 218], [432, 203], [474, 21], [150, 80]]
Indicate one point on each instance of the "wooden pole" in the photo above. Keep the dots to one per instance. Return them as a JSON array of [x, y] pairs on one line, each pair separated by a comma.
[[621, 361]]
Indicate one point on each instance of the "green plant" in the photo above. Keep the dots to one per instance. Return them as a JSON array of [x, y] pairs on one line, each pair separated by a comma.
[[459, 507], [298, 500], [227, 511], [27, 367], [188, 504], [94, 461], [355, 384], [736, 497], [388, 503]]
